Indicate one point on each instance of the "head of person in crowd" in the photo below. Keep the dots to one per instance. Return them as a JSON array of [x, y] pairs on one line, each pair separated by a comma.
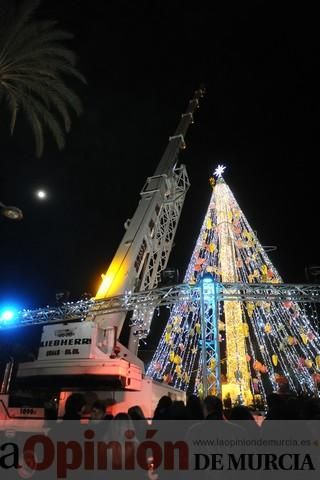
[[311, 409], [98, 410], [136, 413], [194, 407], [178, 411], [162, 410], [74, 407], [276, 407], [240, 412], [119, 426], [293, 408], [213, 408]]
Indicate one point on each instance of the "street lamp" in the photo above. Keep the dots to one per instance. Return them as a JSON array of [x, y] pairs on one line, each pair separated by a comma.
[[14, 213]]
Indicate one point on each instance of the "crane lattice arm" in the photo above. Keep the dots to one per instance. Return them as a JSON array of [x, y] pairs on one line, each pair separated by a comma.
[[145, 248]]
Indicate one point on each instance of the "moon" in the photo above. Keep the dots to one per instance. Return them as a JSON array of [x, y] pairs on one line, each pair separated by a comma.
[[41, 194]]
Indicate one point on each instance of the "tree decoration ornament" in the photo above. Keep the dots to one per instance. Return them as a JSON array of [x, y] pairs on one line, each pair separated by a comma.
[[257, 365], [212, 364], [239, 263], [281, 379], [287, 304], [268, 328], [255, 383], [250, 308], [209, 224], [270, 274], [308, 363], [177, 359], [316, 378], [311, 336], [167, 378], [245, 328], [167, 337], [222, 326], [291, 340], [211, 247]]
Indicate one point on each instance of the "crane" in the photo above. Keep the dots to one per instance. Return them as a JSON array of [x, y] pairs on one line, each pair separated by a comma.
[[145, 248]]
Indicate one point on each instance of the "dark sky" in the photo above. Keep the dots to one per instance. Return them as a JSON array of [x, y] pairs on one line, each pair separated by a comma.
[[142, 61]]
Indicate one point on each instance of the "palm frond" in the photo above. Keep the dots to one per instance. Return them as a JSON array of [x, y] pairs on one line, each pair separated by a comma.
[[33, 64], [13, 107], [48, 96], [50, 121], [36, 126], [42, 53], [23, 15], [36, 112], [33, 36]]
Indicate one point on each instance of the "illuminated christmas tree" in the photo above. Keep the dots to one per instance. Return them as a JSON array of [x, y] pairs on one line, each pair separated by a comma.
[[263, 344]]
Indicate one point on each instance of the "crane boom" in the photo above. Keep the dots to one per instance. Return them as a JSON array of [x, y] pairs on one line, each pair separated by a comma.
[[176, 142], [146, 245]]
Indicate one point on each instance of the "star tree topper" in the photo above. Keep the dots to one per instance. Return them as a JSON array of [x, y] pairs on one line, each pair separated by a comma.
[[219, 171]]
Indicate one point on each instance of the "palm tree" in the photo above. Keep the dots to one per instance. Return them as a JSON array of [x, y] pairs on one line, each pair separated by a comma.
[[33, 63]]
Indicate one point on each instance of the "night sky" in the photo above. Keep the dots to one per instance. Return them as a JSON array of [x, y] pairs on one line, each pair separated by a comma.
[[143, 60]]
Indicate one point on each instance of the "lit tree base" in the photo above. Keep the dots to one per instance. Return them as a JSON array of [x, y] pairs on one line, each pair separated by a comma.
[[243, 397]]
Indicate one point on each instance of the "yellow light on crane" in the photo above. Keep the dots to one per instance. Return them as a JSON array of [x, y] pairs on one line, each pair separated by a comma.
[[112, 281]]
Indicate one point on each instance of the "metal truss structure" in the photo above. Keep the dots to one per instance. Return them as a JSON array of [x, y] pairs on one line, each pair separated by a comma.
[[271, 292], [165, 228], [158, 243], [210, 350], [90, 310]]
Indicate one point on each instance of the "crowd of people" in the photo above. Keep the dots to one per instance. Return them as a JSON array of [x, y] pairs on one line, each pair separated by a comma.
[[236, 423], [279, 407]]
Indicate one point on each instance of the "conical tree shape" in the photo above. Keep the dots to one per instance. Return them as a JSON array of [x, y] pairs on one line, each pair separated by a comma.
[[263, 344]]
